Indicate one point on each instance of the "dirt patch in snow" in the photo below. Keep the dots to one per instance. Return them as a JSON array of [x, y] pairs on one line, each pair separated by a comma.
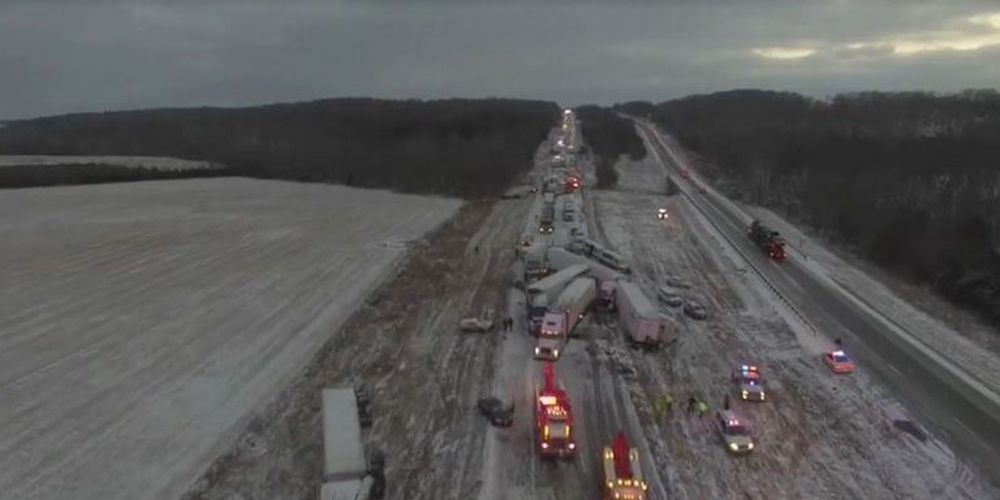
[[425, 376]]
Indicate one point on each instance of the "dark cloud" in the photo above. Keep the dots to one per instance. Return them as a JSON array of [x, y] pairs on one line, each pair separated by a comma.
[[65, 56]]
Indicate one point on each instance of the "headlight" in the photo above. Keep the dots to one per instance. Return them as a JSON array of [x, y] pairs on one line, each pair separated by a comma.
[[555, 353], [732, 446], [762, 394], [572, 446], [750, 446], [545, 445], [537, 351], [745, 394]]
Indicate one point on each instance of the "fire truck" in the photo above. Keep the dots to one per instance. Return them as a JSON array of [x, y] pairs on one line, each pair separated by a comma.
[[622, 474], [554, 418], [768, 240]]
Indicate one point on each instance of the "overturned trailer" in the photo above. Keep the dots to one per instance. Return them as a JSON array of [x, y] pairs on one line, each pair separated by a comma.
[[643, 323]]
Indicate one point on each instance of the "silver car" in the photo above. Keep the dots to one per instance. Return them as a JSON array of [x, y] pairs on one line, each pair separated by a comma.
[[734, 432]]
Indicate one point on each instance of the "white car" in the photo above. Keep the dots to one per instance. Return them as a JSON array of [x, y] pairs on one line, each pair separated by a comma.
[[483, 323]]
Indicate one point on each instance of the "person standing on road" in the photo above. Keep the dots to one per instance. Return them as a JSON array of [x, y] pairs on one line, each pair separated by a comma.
[[691, 403]]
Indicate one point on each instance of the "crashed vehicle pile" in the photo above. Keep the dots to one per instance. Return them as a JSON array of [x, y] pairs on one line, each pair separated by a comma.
[[567, 275]]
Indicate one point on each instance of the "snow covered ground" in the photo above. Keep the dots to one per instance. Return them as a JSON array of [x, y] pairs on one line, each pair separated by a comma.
[[976, 347], [154, 162], [142, 322], [823, 436], [591, 370]]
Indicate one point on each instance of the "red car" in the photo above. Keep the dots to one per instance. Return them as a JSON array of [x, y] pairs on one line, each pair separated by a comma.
[[838, 362]]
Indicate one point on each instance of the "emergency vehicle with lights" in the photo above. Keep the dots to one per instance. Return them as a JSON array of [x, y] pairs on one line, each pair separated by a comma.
[[622, 472], [838, 362], [554, 418], [750, 383]]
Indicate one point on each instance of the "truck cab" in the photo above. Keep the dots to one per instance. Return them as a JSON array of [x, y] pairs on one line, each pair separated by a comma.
[[551, 337], [554, 418], [569, 212], [606, 295], [538, 306]]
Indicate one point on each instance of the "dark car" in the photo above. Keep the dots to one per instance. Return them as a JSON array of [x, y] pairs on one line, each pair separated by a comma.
[[695, 310], [498, 414]]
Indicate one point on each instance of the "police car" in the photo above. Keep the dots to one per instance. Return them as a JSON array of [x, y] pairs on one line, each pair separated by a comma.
[[751, 385], [838, 362], [735, 433]]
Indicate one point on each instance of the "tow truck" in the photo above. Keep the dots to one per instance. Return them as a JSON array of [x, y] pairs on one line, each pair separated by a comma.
[[838, 362], [750, 384], [734, 432], [622, 473], [553, 418]]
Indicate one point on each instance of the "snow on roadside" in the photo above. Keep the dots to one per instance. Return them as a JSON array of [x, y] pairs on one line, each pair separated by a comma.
[[972, 345], [832, 437], [979, 355]]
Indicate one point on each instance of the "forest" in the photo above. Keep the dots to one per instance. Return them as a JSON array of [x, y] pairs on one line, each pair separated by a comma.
[[610, 136], [908, 180], [456, 147], [25, 176]]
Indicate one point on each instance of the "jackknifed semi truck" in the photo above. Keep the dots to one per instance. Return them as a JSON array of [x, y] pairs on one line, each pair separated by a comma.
[[563, 316], [545, 291]]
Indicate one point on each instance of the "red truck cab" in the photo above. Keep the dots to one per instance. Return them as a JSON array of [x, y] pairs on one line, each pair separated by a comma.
[[554, 418]]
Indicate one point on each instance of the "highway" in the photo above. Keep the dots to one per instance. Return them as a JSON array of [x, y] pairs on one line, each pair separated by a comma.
[[951, 407]]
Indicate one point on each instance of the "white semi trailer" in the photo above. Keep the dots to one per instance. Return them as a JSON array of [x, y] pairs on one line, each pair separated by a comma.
[[643, 323], [545, 291], [563, 316], [559, 258], [345, 471]]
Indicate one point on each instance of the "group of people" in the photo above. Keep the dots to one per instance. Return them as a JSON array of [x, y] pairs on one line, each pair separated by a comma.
[[663, 405], [508, 324]]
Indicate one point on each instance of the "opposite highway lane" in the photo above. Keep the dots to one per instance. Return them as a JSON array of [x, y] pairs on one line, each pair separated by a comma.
[[971, 429]]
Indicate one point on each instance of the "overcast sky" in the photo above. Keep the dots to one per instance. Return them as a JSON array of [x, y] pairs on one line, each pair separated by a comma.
[[59, 56]]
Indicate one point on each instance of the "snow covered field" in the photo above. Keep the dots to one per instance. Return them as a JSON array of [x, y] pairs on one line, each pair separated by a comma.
[[154, 162], [142, 322]]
